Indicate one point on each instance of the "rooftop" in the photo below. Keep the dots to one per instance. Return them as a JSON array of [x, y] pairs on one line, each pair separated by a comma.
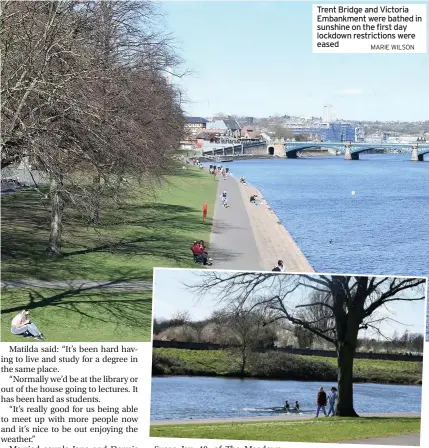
[[196, 120]]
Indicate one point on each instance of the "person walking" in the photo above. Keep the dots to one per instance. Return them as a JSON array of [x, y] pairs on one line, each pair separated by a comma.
[[321, 402], [224, 199], [332, 400]]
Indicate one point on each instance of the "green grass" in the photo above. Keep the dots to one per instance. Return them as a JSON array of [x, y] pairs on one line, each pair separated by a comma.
[[173, 361], [143, 233], [333, 429], [375, 370], [80, 316]]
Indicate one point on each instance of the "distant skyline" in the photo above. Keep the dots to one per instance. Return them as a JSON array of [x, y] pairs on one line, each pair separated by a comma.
[[172, 296], [255, 59]]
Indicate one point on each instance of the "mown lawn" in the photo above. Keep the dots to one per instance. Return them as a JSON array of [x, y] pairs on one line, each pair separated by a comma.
[[278, 365], [376, 369], [80, 315], [332, 429], [142, 233]]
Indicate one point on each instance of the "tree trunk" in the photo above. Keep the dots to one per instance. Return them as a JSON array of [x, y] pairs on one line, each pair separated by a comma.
[[243, 361], [95, 215], [346, 353], [56, 216]]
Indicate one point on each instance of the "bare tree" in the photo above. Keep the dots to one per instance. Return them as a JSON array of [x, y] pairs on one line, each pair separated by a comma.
[[348, 303], [85, 97], [248, 332]]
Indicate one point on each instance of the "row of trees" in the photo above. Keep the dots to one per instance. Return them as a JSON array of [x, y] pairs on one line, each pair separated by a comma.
[[231, 329], [86, 98]]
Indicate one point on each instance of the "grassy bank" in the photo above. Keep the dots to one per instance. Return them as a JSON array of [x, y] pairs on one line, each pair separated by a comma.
[[144, 232], [333, 429], [80, 315], [170, 361]]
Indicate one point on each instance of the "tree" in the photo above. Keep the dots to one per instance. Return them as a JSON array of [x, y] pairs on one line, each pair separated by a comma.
[[300, 138], [85, 96], [304, 337], [282, 132], [348, 303], [248, 331]]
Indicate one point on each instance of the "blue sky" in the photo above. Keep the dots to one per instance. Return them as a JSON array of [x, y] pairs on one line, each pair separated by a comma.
[[255, 59], [171, 295]]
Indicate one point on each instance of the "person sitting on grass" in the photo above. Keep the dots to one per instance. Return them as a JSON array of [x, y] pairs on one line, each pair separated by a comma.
[[204, 252], [21, 325], [296, 408], [200, 256], [287, 406]]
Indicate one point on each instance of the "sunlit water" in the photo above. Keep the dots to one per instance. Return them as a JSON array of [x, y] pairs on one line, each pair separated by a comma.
[[181, 397], [380, 229]]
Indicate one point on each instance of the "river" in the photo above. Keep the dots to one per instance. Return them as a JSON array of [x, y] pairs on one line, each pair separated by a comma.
[[380, 229], [182, 397]]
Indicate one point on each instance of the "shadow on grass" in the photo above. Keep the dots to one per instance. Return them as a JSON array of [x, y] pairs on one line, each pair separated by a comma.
[[134, 236], [81, 314]]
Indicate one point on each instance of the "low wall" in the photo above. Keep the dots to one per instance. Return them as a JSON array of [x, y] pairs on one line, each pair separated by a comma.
[[294, 351]]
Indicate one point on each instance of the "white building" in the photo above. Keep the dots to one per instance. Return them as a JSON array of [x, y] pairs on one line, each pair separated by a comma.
[[328, 113]]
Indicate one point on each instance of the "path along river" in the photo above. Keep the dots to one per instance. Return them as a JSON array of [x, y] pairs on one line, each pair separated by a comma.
[[181, 397]]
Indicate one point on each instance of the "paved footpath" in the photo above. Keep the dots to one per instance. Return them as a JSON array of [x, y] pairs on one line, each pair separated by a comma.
[[250, 237], [78, 284], [402, 440], [283, 417], [232, 243]]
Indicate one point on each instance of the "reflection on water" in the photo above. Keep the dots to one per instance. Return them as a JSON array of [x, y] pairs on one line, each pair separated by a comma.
[[180, 397]]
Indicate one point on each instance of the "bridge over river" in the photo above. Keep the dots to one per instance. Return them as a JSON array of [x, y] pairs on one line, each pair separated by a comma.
[[290, 150], [352, 150]]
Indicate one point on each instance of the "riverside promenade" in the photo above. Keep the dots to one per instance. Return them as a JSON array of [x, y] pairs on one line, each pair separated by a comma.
[[249, 237]]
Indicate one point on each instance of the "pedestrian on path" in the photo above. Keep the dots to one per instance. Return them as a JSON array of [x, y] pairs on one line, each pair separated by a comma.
[[332, 400], [224, 199], [321, 402]]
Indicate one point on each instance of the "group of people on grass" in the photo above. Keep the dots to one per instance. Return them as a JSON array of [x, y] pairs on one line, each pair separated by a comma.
[[200, 253], [323, 400], [22, 326]]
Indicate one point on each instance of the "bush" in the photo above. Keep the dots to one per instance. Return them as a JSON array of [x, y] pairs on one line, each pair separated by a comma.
[[283, 365]]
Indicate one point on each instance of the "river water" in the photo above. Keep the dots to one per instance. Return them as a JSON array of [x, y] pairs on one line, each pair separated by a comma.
[[380, 229], [181, 397]]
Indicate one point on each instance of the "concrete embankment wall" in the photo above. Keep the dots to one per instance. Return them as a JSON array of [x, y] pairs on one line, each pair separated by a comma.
[[273, 240], [293, 351]]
